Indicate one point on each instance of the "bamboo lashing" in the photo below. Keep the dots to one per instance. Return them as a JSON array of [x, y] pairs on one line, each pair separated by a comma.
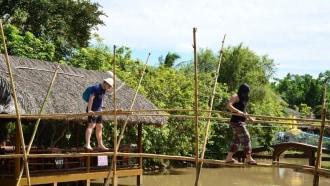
[[19, 124], [209, 114]]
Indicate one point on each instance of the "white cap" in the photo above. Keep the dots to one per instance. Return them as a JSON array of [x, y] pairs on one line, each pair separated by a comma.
[[109, 81]]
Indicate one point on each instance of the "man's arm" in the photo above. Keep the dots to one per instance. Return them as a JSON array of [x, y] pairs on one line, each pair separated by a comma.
[[90, 102]]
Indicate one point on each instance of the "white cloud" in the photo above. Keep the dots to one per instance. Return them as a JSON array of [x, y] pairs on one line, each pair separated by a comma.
[[293, 32]]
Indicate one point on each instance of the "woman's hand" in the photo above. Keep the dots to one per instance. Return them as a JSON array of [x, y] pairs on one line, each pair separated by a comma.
[[251, 119], [240, 113]]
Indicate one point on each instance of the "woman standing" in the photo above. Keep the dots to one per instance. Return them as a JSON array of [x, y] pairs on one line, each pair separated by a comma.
[[238, 105]]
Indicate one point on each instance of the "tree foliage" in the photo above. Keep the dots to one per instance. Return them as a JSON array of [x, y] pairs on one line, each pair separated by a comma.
[[26, 45], [96, 57], [170, 59], [55, 21], [297, 90], [173, 89], [207, 61], [241, 65]]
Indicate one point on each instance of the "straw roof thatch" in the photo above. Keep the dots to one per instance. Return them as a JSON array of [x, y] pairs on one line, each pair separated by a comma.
[[33, 77]]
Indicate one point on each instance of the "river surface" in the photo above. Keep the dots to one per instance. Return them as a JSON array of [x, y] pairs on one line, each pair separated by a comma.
[[227, 176]]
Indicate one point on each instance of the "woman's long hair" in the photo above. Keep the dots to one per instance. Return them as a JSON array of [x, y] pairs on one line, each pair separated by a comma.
[[243, 93]]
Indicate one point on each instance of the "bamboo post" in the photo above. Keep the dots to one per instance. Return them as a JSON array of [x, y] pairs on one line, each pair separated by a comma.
[[133, 102], [140, 160], [38, 121], [196, 103], [114, 178], [319, 149], [211, 106], [19, 124], [125, 123]]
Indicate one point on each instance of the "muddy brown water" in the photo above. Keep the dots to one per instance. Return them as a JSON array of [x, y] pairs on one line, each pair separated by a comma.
[[228, 176]]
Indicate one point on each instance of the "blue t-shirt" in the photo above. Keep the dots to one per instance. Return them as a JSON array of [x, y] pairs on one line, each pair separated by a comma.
[[99, 93]]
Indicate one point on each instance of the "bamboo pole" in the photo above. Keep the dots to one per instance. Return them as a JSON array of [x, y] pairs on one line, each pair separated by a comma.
[[196, 102], [19, 124], [201, 118], [65, 116], [319, 149], [133, 102], [139, 178], [256, 122], [229, 113], [123, 112], [209, 114], [114, 178], [46, 70], [308, 122], [126, 121], [38, 121]]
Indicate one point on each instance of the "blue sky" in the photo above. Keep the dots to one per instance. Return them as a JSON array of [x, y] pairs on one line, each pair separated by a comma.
[[295, 33]]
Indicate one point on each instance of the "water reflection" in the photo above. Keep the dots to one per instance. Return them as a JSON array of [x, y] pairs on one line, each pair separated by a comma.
[[257, 176]]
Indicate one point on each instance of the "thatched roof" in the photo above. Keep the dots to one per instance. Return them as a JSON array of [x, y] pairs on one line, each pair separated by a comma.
[[33, 77]]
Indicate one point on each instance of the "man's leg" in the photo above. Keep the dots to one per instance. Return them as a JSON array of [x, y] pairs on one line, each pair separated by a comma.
[[88, 135], [99, 127]]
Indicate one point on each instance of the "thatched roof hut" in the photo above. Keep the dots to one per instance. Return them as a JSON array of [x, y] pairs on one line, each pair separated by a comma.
[[33, 77]]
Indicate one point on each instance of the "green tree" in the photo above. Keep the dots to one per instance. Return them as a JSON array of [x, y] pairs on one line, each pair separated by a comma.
[[100, 57], [207, 61], [171, 89], [241, 65], [55, 21], [26, 45], [97, 57], [325, 78], [170, 59], [305, 110], [300, 89]]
